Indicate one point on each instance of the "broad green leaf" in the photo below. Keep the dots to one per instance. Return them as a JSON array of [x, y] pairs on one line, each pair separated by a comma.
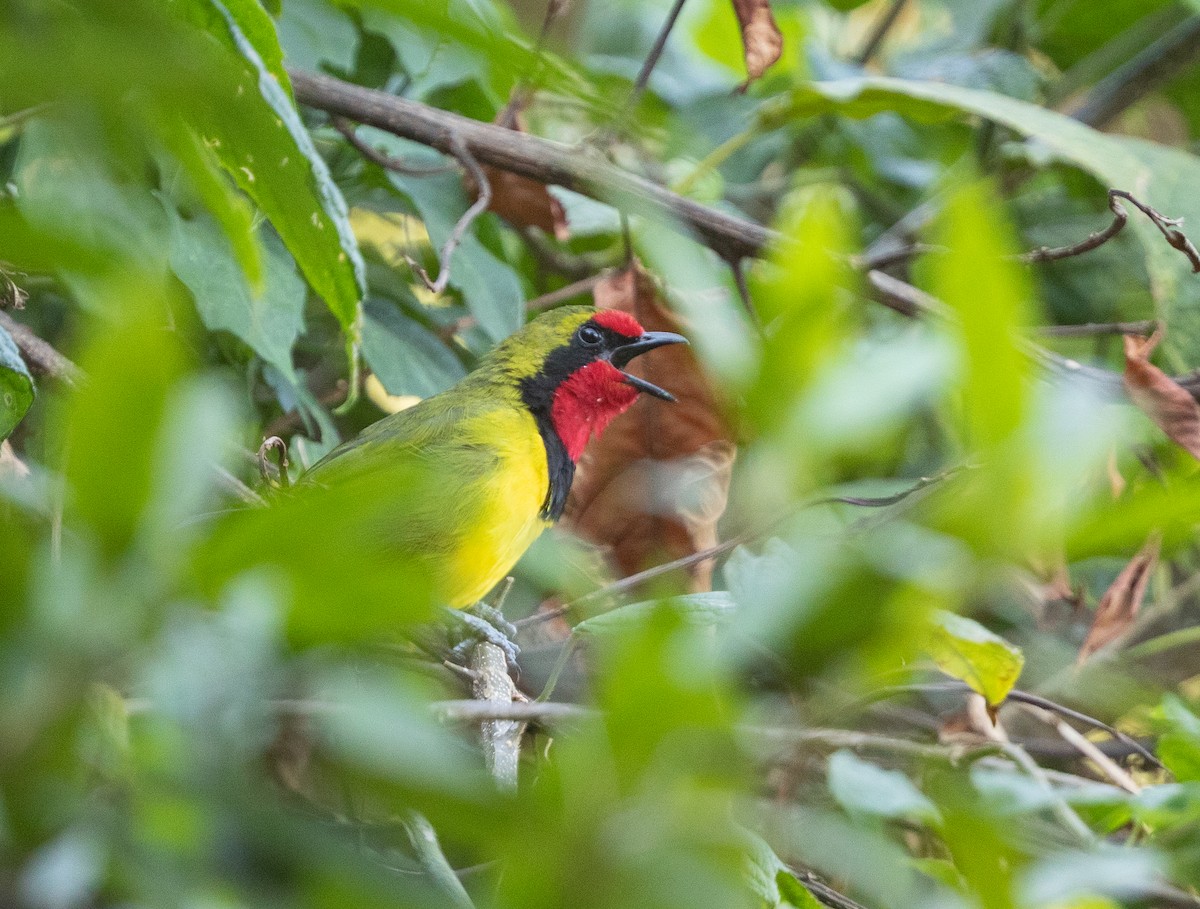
[[268, 321], [863, 788], [16, 385], [256, 25], [407, 357], [315, 33], [69, 187], [1156, 174], [699, 609], [965, 650], [261, 141]]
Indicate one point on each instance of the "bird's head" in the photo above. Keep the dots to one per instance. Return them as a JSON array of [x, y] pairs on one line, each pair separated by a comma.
[[569, 365]]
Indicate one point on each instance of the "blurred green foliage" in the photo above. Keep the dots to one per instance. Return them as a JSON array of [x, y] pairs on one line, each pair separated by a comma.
[[209, 703]]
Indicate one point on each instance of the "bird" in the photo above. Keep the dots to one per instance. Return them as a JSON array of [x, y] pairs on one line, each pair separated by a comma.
[[497, 451]]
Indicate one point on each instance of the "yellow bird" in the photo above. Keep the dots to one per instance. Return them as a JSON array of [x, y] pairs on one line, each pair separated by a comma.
[[502, 446]]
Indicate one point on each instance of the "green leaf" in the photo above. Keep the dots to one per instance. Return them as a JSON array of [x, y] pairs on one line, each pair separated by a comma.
[[770, 879], [261, 141], [407, 357], [256, 25], [268, 321], [862, 788], [16, 385], [1179, 746], [965, 650], [315, 33], [1158, 175], [699, 609]]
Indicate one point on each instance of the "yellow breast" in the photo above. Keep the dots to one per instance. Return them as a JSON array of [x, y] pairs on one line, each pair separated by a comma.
[[508, 519]]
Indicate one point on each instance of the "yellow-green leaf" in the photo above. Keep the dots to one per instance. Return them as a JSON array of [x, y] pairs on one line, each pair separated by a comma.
[[964, 649]]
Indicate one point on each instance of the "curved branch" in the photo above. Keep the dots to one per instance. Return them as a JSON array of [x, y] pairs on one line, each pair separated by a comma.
[[539, 159]]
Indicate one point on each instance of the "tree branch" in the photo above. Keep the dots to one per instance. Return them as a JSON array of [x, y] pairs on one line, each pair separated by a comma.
[[1158, 63], [539, 159]]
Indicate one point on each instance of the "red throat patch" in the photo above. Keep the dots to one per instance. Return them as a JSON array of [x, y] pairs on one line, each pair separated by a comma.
[[588, 401], [619, 321]]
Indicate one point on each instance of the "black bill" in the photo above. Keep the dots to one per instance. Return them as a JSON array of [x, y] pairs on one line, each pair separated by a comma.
[[650, 340]]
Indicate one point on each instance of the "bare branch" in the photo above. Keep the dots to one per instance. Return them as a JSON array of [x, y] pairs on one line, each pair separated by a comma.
[[547, 162], [1169, 227], [494, 689], [542, 712], [651, 61], [879, 32], [1095, 329]]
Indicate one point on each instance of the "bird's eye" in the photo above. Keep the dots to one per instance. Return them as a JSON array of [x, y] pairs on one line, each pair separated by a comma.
[[590, 336]]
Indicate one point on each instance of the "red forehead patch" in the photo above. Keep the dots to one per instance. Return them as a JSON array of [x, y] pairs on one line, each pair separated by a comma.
[[620, 322]]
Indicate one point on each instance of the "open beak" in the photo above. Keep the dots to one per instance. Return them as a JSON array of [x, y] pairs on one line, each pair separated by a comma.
[[650, 340]]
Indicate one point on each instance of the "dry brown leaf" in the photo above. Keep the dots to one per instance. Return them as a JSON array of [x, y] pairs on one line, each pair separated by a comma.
[[761, 38], [1121, 602], [655, 484], [519, 200], [1160, 397]]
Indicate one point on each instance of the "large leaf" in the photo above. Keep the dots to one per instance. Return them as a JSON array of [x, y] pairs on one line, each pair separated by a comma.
[[16, 385], [406, 356], [862, 788], [261, 141], [1160, 176], [268, 321], [964, 649]]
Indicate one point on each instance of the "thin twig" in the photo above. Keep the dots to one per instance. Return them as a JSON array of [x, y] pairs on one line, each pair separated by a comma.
[[1025, 697], [651, 61], [1059, 805], [459, 149], [270, 471], [541, 712], [1098, 329], [384, 160], [1167, 226], [638, 579], [1117, 774], [879, 32], [825, 894]]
